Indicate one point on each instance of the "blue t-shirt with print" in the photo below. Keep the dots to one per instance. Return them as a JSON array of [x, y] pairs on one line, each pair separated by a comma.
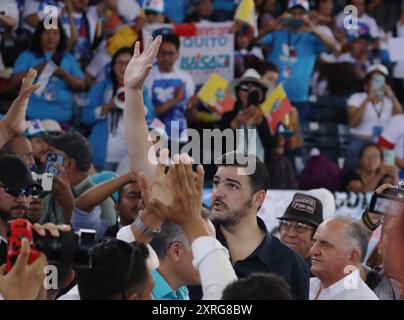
[[162, 91], [57, 100], [295, 55]]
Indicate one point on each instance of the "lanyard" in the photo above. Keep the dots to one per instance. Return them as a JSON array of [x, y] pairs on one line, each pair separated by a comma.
[[380, 111], [291, 45]]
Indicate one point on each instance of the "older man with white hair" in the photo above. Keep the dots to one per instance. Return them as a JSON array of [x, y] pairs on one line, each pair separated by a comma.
[[340, 245]]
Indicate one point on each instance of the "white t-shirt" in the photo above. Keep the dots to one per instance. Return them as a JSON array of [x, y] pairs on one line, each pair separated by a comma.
[[116, 148], [98, 64], [10, 9], [394, 134], [366, 25], [37, 6], [374, 116]]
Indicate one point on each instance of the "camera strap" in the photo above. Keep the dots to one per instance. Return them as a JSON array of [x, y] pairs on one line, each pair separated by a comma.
[[368, 222]]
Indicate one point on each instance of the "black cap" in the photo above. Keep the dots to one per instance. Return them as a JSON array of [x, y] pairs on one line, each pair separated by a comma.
[[304, 208], [14, 174], [75, 146]]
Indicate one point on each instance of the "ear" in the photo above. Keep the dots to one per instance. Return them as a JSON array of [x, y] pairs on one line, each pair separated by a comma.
[[69, 278], [175, 251], [70, 164], [117, 207], [355, 257], [258, 198]]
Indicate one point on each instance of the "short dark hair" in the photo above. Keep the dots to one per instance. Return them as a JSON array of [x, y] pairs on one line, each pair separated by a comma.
[[117, 267], [172, 38], [266, 67], [36, 46], [259, 179], [75, 146], [258, 286]]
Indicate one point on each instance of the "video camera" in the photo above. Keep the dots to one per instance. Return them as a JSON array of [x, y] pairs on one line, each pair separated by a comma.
[[69, 248], [389, 201]]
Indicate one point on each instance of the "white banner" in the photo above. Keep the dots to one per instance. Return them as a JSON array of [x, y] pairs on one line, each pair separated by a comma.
[[205, 48]]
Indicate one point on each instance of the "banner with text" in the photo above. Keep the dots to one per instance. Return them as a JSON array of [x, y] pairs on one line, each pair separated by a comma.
[[205, 48]]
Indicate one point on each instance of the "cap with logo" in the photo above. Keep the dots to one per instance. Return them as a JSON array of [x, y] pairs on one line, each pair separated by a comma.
[[304, 4], [305, 209], [156, 6]]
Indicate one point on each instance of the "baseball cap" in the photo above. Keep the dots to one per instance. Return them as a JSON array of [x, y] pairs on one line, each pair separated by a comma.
[[378, 67], [51, 126], [35, 128], [156, 6], [15, 175], [304, 4], [304, 208], [75, 146]]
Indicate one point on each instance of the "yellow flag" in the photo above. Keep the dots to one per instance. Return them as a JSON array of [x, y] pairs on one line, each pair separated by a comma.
[[246, 12], [215, 93]]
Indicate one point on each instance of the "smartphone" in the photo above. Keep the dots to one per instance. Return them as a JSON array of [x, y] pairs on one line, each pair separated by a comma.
[[382, 203], [52, 159]]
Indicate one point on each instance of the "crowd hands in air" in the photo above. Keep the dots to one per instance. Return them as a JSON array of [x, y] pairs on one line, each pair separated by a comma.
[[171, 192]]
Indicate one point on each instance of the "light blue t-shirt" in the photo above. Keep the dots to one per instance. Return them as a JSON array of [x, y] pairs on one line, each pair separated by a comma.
[[176, 10], [295, 54], [163, 291], [57, 100]]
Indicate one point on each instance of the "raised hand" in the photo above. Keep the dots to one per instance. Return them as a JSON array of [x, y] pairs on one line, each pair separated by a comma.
[[15, 117], [140, 65]]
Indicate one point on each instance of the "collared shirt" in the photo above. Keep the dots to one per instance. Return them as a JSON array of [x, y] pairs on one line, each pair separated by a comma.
[[163, 291], [273, 256], [350, 287]]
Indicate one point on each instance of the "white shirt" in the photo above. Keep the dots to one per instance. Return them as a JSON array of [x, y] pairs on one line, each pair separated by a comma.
[[366, 24], [10, 9], [394, 134], [370, 117], [351, 287]]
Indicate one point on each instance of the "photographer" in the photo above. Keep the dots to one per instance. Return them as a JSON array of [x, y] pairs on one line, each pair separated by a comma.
[[382, 212], [72, 181], [251, 92]]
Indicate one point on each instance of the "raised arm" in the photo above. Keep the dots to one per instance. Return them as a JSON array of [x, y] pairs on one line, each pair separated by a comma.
[[136, 132], [14, 121], [97, 194]]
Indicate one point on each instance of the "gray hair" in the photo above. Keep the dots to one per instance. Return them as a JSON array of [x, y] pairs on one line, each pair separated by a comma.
[[170, 233], [356, 234]]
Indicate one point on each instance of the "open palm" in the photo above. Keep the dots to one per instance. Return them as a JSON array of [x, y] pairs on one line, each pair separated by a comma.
[[140, 65]]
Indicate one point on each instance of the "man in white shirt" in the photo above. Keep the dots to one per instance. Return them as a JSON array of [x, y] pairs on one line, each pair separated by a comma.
[[340, 245]]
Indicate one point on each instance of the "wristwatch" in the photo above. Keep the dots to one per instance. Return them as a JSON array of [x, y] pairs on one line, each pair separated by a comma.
[[144, 230]]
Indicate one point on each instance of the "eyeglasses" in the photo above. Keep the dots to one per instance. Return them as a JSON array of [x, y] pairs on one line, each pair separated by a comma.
[[26, 191], [298, 226], [167, 53]]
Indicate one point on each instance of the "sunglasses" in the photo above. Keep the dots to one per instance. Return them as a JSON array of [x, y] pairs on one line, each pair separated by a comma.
[[299, 227], [26, 191]]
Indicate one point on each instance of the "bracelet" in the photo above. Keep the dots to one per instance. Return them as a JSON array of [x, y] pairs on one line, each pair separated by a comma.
[[144, 230]]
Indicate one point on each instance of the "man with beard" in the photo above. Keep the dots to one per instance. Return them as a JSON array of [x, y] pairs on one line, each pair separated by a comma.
[[16, 185], [237, 196]]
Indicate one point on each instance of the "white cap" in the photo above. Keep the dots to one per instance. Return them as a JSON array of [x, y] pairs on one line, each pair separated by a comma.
[[378, 67], [304, 4], [128, 9], [51, 125], [154, 5], [327, 200]]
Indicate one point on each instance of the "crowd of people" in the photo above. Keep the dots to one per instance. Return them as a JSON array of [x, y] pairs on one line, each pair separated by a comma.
[[81, 100]]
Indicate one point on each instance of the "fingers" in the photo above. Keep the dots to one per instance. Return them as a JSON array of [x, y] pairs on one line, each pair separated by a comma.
[[148, 45], [200, 177], [144, 187], [161, 166], [383, 187], [136, 53], [22, 258], [156, 45], [3, 269]]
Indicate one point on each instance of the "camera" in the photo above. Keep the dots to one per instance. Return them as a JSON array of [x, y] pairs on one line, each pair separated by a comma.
[[45, 180], [254, 97], [69, 248], [391, 200]]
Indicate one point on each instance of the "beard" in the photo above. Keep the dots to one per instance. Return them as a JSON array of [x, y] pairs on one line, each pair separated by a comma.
[[232, 218], [8, 215]]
